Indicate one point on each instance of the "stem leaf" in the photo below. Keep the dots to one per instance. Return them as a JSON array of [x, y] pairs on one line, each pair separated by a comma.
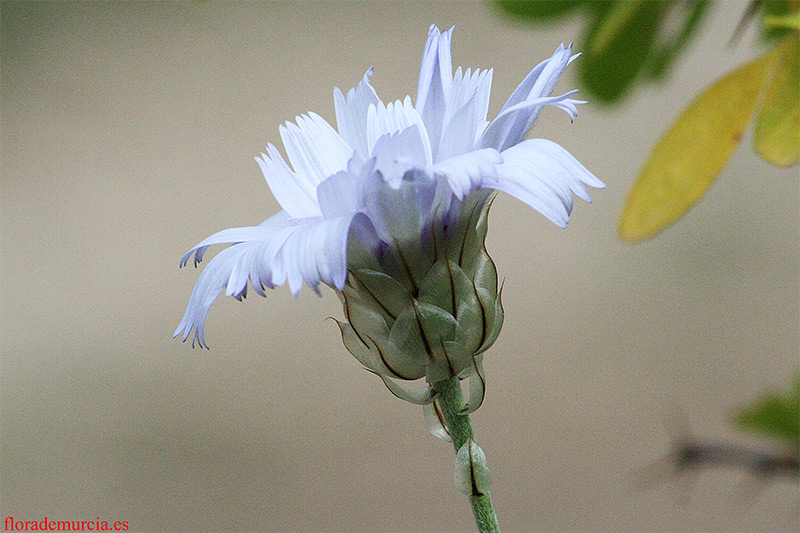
[[472, 476]]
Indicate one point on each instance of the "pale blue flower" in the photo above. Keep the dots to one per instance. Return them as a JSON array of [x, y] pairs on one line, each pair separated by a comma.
[[387, 172]]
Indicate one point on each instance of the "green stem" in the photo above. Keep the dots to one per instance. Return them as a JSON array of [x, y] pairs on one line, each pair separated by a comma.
[[451, 401]]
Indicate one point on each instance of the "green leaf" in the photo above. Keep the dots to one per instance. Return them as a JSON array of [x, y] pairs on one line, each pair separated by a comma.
[[535, 9], [775, 415], [611, 26], [775, 9], [791, 21], [777, 130], [665, 52], [690, 155], [617, 46]]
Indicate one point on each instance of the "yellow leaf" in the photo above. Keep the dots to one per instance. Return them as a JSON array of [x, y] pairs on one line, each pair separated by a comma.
[[777, 130], [691, 154]]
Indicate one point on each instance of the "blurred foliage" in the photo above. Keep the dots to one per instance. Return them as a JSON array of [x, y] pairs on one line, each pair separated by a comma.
[[777, 129], [777, 9], [625, 42], [791, 21], [775, 415], [630, 41], [692, 153]]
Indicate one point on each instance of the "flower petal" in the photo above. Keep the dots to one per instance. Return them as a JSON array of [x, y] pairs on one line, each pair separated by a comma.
[[576, 174], [435, 81], [278, 251], [396, 154], [313, 250], [393, 118], [231, 268], [351, 113], [541, 80], [521, 109], [272, 224], [467, 172], [314, 148], [471, 85], [543, 175], [510, 126], [400, 213], [465, 113], [296, 196], [210, 283], [340, 195]]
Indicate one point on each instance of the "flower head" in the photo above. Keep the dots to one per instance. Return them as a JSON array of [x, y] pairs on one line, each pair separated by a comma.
[[389, 209]]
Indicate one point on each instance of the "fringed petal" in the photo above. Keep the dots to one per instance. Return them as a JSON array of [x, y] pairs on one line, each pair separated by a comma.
[[541, 80], [253, 233], [312, 251], [396, 154], [314, 148], [215, 277], [543, 175], [281, 250], [470, 85], [510, 126], [460, 132], [521, 109], [296, 194], [435, 81], [467, 172], [351, 113], [393, 118], [465, 115], [340, 195], [399, 214]]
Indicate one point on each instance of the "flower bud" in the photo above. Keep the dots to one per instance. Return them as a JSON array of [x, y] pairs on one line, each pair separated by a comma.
[[429, 306]]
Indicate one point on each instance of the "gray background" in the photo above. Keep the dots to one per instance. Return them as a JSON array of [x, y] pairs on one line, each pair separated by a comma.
[[129, 132]]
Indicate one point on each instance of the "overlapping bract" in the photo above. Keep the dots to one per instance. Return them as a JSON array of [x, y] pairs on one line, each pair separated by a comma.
[[428, 308], [389, 175]]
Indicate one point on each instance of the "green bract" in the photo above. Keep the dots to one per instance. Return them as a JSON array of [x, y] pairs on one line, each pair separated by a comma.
[[426, 307]]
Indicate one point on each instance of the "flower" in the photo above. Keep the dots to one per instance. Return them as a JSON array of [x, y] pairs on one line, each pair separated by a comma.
[[390, 211]]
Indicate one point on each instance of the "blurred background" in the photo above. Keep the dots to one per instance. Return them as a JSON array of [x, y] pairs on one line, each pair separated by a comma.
[[129, 131]]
